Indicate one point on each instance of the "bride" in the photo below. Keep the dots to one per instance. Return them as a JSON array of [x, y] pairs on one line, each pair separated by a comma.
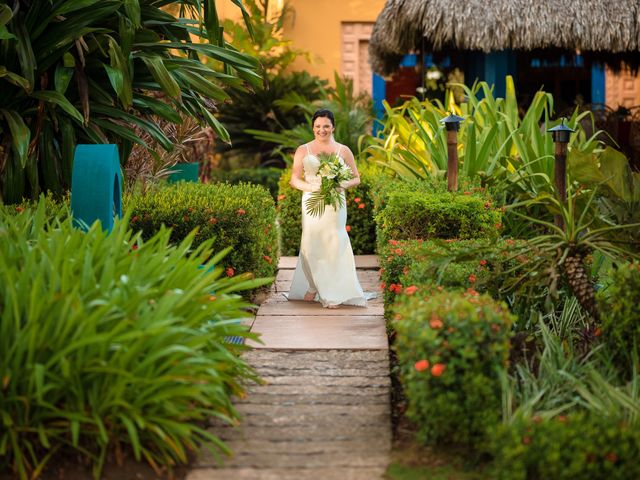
[[326, 270]]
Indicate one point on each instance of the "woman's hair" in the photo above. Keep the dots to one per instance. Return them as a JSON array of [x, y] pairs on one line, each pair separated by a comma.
[[323, 112]]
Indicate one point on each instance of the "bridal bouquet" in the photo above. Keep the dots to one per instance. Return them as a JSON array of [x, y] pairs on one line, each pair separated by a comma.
[[333, 171]]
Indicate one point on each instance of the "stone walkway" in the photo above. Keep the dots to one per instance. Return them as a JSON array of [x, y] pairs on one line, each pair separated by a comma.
[[323, 412]]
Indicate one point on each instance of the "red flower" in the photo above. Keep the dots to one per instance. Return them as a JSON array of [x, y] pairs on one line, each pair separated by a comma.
[[267, 258], [241, 211], [347, 228], [411, 290], [483, 262], [421, 365], [395, 287], [435, 322], [230, 271], [383, 286], [357, 199], [134, 219], [597, 332], [472, 278], [487, 205], [361, 205], [213, 220], [281, 197], [471, 292], [134, 247], [498, 226], [19, 209], [393, 242], [398, 251], [438, 369]]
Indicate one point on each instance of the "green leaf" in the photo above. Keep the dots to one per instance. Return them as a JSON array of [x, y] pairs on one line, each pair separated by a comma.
[[59, 99], [14, 78], [20, 134], [158, 70]]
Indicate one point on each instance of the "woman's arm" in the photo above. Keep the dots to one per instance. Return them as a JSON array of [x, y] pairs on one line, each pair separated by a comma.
[[296, 173], [351, 163]]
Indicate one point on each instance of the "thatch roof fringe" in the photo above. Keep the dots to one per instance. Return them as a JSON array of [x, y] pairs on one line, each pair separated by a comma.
[[597, 26]]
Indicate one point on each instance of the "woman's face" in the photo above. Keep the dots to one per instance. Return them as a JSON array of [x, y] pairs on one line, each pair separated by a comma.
[[322, 129]]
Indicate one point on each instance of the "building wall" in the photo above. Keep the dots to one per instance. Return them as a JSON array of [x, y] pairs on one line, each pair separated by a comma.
[[622, 89], [336, 34]]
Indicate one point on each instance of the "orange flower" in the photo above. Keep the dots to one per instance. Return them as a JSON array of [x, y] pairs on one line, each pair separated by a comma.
[[383, 286], [267, 258], [213, 220], [467, 193], [393, 242], [483, 262], [230, 271], [347, 228], [472, 278], [241, 211], [397, 316], [361, 205], [421, 365], [398, 251], [357, 199], [281, 197], [212, 298], [498, 226], [411, 290], [597, 332], [471, 292], [435, 322], [438, 369], [19, 209]]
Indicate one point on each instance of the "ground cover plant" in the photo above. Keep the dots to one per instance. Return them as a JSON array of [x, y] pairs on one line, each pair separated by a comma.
[[112, 343]]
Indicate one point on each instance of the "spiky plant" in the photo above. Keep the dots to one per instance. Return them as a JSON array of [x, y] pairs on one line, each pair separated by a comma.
[[562, 252]]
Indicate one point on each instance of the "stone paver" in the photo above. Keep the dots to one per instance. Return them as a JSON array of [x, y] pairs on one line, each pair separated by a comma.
[[322, 410]]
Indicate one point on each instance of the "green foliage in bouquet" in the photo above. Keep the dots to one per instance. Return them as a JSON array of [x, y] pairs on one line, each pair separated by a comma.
[[452, 351], [333, 171], [238, 216], [360, 224], [110, 343]]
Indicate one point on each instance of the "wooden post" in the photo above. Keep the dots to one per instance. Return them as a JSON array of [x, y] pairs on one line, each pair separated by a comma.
[[560, 173], [452, 164]]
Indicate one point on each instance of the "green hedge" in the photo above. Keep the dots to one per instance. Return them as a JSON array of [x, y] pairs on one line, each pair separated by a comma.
[[419, 263], [578, 446], [266, 176], [110, 343], [408, 213], [452, 349], [238, 216], [619, 304], [360, 224]]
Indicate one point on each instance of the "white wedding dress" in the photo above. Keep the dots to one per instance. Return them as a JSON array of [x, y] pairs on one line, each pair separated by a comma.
[[325, 264]]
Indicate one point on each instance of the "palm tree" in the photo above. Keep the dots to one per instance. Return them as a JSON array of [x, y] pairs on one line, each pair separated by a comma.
[[87, 71]]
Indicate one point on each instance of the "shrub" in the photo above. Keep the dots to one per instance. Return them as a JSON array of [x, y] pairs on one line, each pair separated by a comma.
[[238, 216], [266, 176], [109, 341], [483, 265], [577, 446], [452, 348], [411, 214], [620, 313], [360, 222]]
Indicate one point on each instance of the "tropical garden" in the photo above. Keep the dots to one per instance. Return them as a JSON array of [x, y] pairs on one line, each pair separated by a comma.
[[511, 306]]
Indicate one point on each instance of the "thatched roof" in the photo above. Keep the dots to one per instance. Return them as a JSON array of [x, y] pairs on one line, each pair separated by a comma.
[[596, 27]]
